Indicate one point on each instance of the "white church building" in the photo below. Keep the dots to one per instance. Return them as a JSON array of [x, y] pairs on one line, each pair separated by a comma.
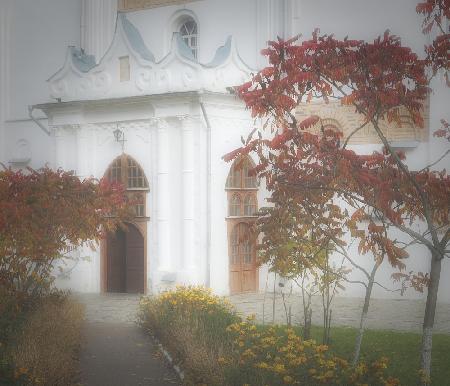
[[138, 91]]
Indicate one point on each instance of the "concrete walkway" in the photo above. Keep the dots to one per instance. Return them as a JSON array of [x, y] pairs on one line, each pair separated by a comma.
[[400, 315], [115, 351]]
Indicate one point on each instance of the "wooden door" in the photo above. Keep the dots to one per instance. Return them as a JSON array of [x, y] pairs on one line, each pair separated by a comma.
[[134, 261], [242, 260], [116, 261], [125, 261]]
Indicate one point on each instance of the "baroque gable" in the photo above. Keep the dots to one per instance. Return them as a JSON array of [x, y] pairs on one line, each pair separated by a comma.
[[129, 69]]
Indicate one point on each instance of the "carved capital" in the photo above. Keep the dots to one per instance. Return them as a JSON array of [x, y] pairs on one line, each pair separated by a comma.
[[160, 123]]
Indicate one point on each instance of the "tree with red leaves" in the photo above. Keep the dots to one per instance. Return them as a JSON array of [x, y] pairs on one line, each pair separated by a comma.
[[42, 213], [342, 191]]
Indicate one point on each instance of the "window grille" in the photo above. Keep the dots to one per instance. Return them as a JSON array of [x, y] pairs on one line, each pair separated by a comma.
[[240, 177], [127, 171], [135, 175], [248, 180], [234, 246], [241, 245], [188, 31], [115, 171], [249, 205], [235, 205]]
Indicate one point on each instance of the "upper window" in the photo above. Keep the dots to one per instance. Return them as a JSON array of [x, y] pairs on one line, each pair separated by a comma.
[[127, 171], [235, 205], [250, 207], [188, 32], [240, 176]]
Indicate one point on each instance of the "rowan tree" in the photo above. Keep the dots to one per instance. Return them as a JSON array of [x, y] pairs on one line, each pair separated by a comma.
[[376, 193], [42, 213]]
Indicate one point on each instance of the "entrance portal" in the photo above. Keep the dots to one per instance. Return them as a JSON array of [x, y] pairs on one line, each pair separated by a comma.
[[243, 271], [125, 261]]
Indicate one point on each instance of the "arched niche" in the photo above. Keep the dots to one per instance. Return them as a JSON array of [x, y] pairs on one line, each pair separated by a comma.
[[124, 251], [242, 189]]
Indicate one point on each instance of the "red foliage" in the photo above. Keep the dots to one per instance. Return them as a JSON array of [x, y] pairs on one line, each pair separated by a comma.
[[309, 172], [42, 213]]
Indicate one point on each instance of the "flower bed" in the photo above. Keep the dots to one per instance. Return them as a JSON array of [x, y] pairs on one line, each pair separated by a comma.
[[216, 347]]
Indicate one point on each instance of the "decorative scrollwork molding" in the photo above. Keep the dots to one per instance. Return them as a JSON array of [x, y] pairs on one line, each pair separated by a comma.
[[133, 5]]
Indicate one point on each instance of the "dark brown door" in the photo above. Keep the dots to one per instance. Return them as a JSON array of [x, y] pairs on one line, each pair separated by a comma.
[[134, 261], [125, 266], [116, 261]]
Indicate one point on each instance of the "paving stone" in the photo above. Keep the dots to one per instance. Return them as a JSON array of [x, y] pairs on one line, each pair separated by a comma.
[[115, 351], [392, 314]]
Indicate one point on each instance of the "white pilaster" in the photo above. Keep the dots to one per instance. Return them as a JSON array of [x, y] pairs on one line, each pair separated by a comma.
[[163, 198], [5, 17], [291, 18], [188, 144], [59, 148], [83, 152], [98, 20]]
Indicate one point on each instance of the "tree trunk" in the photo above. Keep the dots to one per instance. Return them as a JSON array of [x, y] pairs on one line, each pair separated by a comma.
[[273, 303], [307, 311], [365, 310], [428, 320]]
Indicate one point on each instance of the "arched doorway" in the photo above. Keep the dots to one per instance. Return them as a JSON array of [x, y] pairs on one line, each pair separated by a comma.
[[242, 260], [123, 252], [242, 189], [125, 260]]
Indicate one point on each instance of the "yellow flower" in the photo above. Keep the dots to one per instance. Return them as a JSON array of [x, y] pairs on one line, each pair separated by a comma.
[[279, 368], [262, 365], [321, 348]]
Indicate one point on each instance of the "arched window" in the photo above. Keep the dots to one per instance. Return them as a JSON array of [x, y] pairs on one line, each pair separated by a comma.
[[235, 205], [240, 177], [242, 189], [188, 32], [250, 206], [127, 171], [331, 124]]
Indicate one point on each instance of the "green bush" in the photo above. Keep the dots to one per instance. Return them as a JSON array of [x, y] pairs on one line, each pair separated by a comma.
[[191, 323]]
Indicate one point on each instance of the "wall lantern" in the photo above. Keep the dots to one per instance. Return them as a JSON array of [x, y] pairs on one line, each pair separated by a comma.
[[119, 135]]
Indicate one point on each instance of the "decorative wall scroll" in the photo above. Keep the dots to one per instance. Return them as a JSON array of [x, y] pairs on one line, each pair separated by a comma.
[[81, 78], [133, 5]]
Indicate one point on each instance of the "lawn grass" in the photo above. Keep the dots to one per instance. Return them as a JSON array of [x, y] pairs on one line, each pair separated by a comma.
[[402, 349], [215, 346]]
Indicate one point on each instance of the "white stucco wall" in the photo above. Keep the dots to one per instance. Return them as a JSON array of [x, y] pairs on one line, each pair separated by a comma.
[[33, 40], [38, 33]]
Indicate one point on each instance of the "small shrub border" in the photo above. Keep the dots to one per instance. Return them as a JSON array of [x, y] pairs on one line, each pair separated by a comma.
[[214, 346], [42, 341]]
